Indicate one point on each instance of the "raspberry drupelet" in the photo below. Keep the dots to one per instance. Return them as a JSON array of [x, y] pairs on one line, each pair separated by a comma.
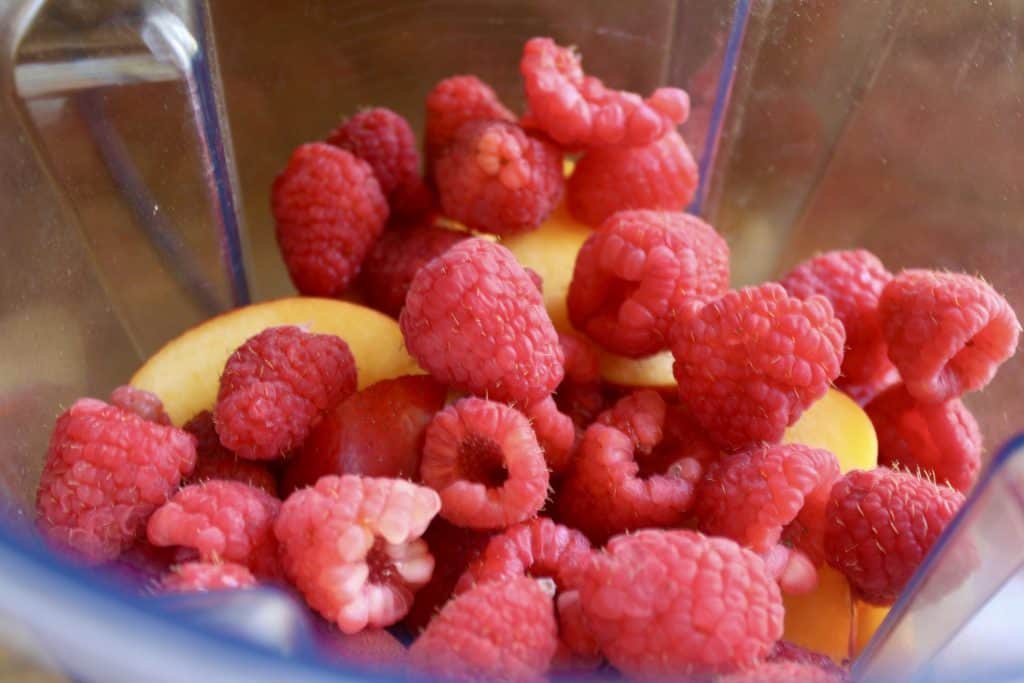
[[106, 470], [484, 460], [352, 546], [637, 271], [276, 386], [476, 322], [201, 577]]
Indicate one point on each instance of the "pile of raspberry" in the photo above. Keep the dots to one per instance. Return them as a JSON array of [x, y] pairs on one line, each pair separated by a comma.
[[510, 511]]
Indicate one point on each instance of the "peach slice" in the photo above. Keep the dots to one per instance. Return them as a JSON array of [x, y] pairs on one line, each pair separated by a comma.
[[822, 620], [836, 423], [185, 373], [867, 619], [654, 372]]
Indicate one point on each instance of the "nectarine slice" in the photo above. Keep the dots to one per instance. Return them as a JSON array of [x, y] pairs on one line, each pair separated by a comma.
[[822, 619], [867, 619], [836, 423], [654, 372], [185, 373]]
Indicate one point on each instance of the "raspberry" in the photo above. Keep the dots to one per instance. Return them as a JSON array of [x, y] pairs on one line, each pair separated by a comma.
[[106, 470], [535, 278], [852, 281], [947, 332], [581, 402], [375, 649], [453, 548], [606, 492], [213, 461], [785, 651], [879, 526], [659, 176], [499, 630], [782, 672], [635, 272], [939, 439], [794, 571], [328, 208], [750, 496], [223, 520], [351, 545], [376, 432], [495, 178], [193, 577], [474, 320], [146, 405], [640, 416], [484, 460], [396, 258], [276, 386], [384, 140], [581, 361], [579, 111], [453, 102], [665, 603], [556, 433], [143, 565], [750, 363]]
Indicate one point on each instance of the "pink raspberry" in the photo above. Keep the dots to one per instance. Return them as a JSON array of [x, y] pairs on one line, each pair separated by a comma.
[[581, 402], [752, 496], [782, 672], [556, 433], [352, 546], [384, 140], [376, 432], [495, 178], [941, 440], [213, 461], [879, 526], [786, 651], [852, 281], [276, 386], [641, 416], [577, 110], [484, 460], [498, 630], [223, 520], [668, 603], [396, 258], [795, 572], [373, 649], [947, 333], [581, 361], [640, 268], [661, 175], [106, 470], [329, 209], [750, 363], [200, 577], [146, 405], [453, 102], [475, 321]]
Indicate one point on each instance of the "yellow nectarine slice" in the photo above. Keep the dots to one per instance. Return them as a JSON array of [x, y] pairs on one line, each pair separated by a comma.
[[185, 373], [822, 619], [654, 371], [836, 423], [867, 619]]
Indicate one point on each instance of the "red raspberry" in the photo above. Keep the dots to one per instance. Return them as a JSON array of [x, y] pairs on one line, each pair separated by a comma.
[[947, 332], [352, 546], [376, 432], [939, 439], [384, 140], [879, 526], [374, 649], [474, 320], [223, 520], [484, 460], [785, 651], [535, 278], [213, 461], [666, 603], [782, 672], [659, 176], [145, 404], [635, 272], [750, 496], [750, 363], [641, 416], [581, 361], [499, 630], [453, 102], [329, 209], [453, 548], [200, 577], [581, 402], [276, 386], [852, 281], [794, 571], [106, 470], [577, 110], [496, 178], [396, 258], [556, 433]]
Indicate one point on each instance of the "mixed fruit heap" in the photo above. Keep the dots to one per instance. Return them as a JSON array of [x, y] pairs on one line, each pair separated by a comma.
[[611, 458]]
